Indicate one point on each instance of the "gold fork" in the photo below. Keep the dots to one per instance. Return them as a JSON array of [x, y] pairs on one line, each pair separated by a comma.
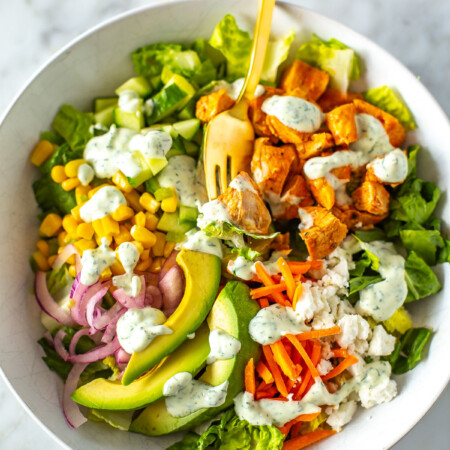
[[230, 135]]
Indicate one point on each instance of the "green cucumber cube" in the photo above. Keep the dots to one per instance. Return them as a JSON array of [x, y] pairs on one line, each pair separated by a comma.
[[137, 84]]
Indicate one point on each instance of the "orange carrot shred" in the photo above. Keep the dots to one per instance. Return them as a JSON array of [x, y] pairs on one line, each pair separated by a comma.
[[307, 335], [250, 383], [347, 362], [297, 294], [266, 394], [288, 278], [263, 303], [301, 418], [340, 353], [304, 355], [315, 358], [267, 281], [267, 290], [273, 367], [264, 372], [295, 430], [307, 439], [283, 360]]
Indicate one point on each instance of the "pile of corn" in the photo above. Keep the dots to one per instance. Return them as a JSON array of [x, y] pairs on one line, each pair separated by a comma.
[[136, 222]]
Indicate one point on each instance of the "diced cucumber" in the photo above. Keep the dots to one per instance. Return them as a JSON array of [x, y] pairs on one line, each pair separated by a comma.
[[162, 193], [191, 148], [137, 84], [198, 138], [175, 236], [169, 222], [177, 148], [166, 74], [157, 164], [146, 172], [174, 96], [152, 185], [167, 127], [188, 214], [188, 112], [101, 103], [133, 121], [156, 82], [105, 116], [187, 128]]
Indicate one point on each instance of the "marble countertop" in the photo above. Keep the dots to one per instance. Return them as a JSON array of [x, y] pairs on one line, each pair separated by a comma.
[[415, 31]]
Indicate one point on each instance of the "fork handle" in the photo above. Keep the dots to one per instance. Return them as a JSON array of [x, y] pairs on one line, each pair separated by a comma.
[[259, 47]]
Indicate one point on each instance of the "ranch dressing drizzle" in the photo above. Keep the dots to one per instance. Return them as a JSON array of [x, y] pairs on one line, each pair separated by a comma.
[[95, 261], [200, 242], [129, 257], [129, 101], [294, 112], [381, 300], [245, 269], [85, 174], [105, 201], [234, 89], [391, 168], [154, 144], [185, 395], [223, 346]]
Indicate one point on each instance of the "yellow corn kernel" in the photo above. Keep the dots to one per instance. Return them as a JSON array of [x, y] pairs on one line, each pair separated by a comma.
[[139, 219], [144, 236], [97, 224], [123, 236], [149, 202], [142, 266], [110, 226], [151, 221], [71, 168], [96, 189], [58, 174], [43, 150], [106, 274], [139, 246], [122, 213], [50, 225], [73, 271], [71, 259], [70, 184], [98, 239], [117, 268], [170, 204], [81, 194], [62, 237], [156, 265], [145, 254], [133, 200], [85, 230], [168, 248], [43, 247], [158, 248], [41, 261], [120, 180], [51, 260], [84, 244], [69, 223], [75, 211]]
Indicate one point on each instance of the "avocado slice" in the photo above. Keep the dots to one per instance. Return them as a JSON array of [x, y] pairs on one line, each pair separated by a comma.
[[202, 272], [105, 394], [232, 312]]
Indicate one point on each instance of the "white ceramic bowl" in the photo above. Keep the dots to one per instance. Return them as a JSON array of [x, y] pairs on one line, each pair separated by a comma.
[[93, 65]]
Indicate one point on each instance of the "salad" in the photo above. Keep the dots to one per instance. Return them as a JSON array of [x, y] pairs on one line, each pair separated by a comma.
[[259, 319]]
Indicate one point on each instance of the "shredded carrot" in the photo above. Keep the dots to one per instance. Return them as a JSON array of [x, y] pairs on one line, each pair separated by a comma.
[[264, 372], [301, 418], [250, 383], [263, 303], [283, 360], [315, 358], [307, 439], [347, 362], [288, 278], [279, 382], [304, 355], [262, 386], [267, 290], [295, 430], [290, 384], [306, 336], [267, 281], [340, 353], [297, 294], [266, 394]]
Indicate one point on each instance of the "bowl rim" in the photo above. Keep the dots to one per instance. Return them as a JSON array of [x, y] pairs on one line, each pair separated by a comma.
[[161, 3]]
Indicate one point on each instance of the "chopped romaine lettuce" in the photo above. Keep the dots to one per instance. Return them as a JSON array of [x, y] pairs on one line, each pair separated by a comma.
[[334, 57], [424, 242], [247, 253], [376, 234], [390, 101], [59, 281], [399, 322], [236, 45]]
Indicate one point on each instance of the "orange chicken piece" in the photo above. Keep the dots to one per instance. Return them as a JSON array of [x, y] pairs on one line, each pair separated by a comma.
[[257, 115], [354, 219], [323, 192], [332, 98], [210, 105], [286, 134], [342, 124], [316, 143], [371, 197], [324, 234]]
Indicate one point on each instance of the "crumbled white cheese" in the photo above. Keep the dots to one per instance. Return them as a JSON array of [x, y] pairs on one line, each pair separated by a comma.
[[355, 332], [383, 392], [342, 415], [382, 342], [324, 366]]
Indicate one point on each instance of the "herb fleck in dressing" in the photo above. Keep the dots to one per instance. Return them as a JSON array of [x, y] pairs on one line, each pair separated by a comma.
[[294, 112], [105, 201], [381, 300], [95, 261], [391, 168], [200, 242], [129, 257], [137, 328], [185, 395], [223, 346]]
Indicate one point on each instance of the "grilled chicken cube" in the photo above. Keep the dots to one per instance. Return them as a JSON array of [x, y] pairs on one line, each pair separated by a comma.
[[258, 116], [210, 105], [332, 98], [371, 197], [355, 219], [314, 145], [342, 124]]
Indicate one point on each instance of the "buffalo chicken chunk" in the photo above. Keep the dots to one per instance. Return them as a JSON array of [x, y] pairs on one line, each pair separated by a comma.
[[210, 105]]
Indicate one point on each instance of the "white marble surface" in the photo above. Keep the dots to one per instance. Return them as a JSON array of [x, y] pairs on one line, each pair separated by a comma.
[[415, 31]]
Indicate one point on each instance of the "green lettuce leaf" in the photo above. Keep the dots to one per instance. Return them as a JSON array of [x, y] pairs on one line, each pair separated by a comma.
[[52, 136], [408, 350], [424, 242], [334, 57], [74, 126], [444, 253], [421, 280], [236, 45], [356, 284], [58, 280], [62, 156], [390, 101], [247, 253], [376, 234]]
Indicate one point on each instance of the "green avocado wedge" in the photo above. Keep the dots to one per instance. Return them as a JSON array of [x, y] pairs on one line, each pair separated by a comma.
[[104, 394], [202, 272], [232, 312]]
